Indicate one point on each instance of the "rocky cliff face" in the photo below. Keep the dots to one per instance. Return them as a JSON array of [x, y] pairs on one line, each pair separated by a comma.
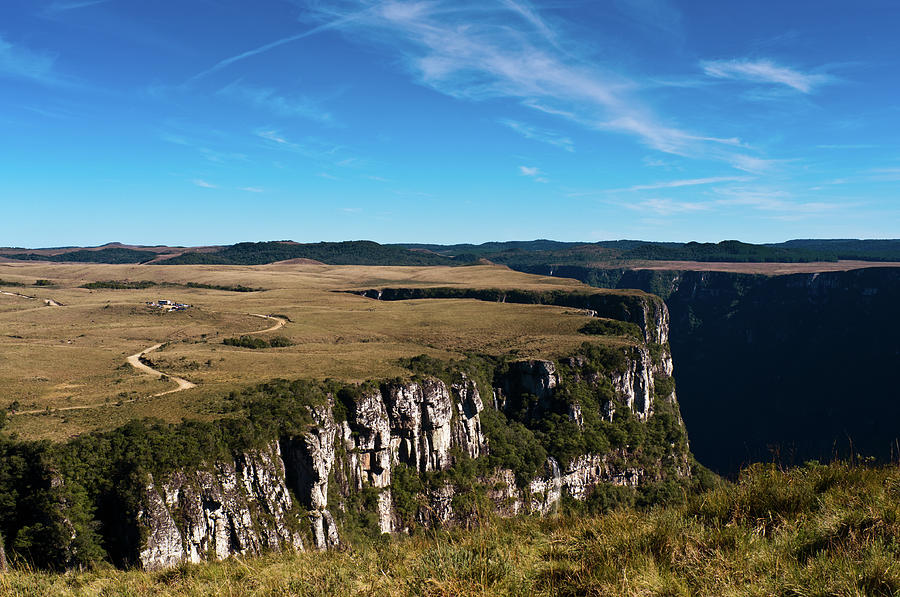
[[786, 367], [240, 507], [647, 311], [291, 494], [309, 464], [2, 556]]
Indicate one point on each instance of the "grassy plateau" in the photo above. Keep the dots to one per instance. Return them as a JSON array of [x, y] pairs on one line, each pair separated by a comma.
[[63, 347]]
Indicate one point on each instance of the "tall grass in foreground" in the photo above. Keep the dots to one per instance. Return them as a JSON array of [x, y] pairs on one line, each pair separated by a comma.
[[815, 530]]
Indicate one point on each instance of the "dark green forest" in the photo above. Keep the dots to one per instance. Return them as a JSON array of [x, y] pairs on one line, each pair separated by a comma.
[[515, 254]]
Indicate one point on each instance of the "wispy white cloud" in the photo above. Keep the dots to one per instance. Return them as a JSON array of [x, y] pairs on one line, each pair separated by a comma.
[[280, 105], [775, 200], [749, 200], [203, 147], [533, 172], [309, 147], [752, 164], [327, 176], [539, 134], [19, 62], [273, 136], [765, 71], [847, 146], [667, 207], [56, 112], [203, 184], [884, 174], [655, 162], [689, 182], [252, 189], [478, 50], [57, 7], [660, 15], [271, 46]]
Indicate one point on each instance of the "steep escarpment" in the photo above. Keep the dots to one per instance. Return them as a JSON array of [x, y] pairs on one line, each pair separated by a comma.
[[633, 307], [313, 464], [240, 506], [794, 367], [799, 364]]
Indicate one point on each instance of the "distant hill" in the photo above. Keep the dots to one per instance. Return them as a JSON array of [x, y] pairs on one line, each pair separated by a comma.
[[524, 255], [517, 254], [865, 250], [358, 252], [89, 256]]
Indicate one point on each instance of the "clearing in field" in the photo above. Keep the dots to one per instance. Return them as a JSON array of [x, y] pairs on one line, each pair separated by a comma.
[[76, 358]]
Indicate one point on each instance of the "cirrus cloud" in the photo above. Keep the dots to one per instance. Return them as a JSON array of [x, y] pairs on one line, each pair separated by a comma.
[[765, 71]]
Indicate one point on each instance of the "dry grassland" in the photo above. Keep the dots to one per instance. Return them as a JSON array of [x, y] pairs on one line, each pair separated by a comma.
[[66, 365]]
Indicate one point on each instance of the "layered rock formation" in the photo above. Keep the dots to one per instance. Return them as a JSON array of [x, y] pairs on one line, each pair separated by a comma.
[[306, 464], [778, 366], [240, 507], [298, 487]]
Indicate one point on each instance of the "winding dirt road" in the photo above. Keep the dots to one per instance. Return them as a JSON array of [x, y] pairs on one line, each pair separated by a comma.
[[280, 323], [183, 384], [25, 296], [48, 302], [135, 361]]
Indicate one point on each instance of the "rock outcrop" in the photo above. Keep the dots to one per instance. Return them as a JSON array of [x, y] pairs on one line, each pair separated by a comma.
[[634, 384], [305, 464], [259, 501], [240, 507], [2, 556]]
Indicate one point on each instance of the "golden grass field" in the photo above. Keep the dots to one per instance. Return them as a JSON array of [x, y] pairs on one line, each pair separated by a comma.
[[66, 365]]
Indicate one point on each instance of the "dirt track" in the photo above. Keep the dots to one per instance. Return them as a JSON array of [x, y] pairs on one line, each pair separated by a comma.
[[280, 323], [183, 384], [135, 361], [48, 302]]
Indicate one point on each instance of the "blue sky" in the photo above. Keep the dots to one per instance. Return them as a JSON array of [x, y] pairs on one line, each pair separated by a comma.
[[217, 121]]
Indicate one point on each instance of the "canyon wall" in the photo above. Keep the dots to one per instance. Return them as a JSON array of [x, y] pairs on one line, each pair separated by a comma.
[[789, 367], [308, 464]]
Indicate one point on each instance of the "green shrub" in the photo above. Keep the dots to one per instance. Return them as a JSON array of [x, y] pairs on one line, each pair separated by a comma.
[[611, 327], [512, 446], [119, 285], [256, 343]]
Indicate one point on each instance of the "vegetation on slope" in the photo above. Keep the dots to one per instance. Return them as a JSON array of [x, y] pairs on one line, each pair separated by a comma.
[[866, 250], [143, 284], [339, 253], [515, 254], [530, 254], [117, 255], [815, 530], [75, 503], [258, 343], [96, 478]]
